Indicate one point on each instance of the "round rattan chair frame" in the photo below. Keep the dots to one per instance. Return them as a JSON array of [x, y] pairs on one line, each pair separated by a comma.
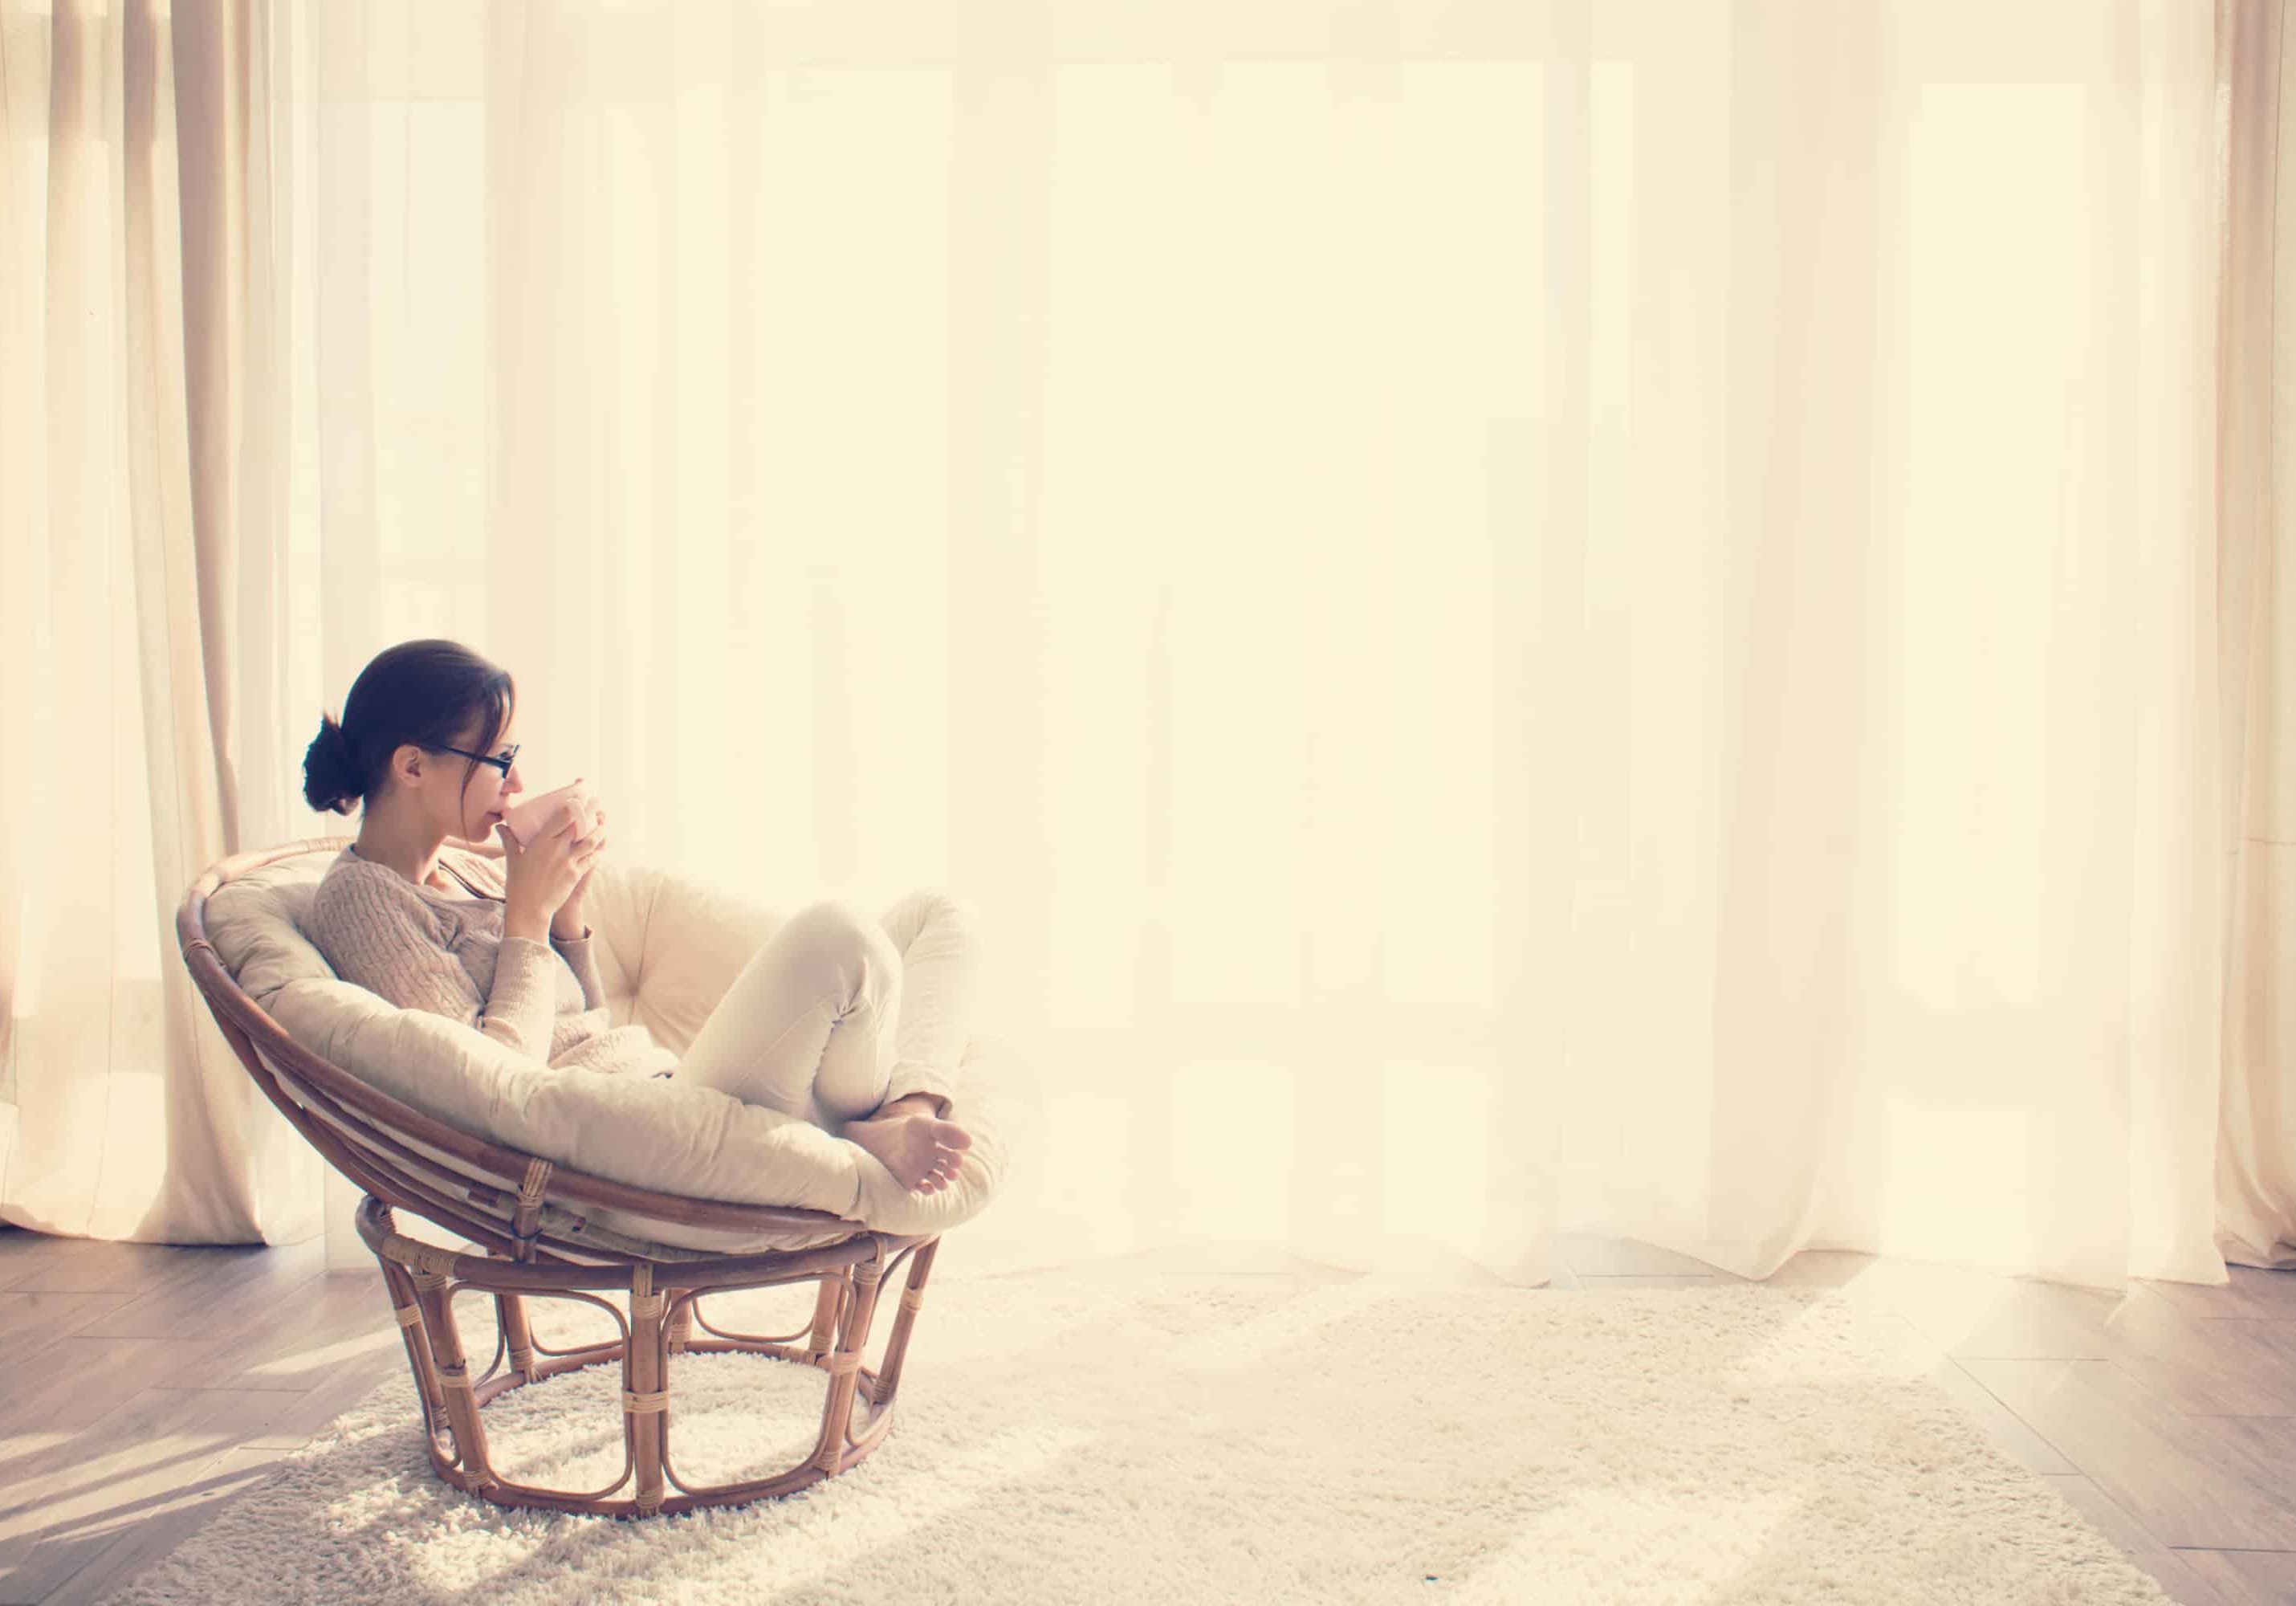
[[514, 1254]]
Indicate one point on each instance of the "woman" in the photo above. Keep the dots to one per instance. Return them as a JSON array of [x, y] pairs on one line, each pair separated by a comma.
[[413, 912]]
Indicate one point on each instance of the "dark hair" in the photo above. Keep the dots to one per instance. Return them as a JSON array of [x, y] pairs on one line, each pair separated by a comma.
[[424, 692]]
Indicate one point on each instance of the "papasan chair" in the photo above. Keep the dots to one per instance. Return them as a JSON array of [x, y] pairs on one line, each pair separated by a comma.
[[568, 1182]]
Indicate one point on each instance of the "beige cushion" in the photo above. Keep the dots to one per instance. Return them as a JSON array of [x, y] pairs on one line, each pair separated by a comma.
[[666, 947]]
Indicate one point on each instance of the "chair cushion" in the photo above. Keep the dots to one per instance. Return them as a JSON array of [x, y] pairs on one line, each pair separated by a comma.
[[666, 947]]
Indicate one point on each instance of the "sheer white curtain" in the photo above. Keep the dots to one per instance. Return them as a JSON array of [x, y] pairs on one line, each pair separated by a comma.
[[1515, 615], [140, 406], [2255, 608]]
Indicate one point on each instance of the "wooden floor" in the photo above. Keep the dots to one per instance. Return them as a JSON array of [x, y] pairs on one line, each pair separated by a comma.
[[143, 1385]]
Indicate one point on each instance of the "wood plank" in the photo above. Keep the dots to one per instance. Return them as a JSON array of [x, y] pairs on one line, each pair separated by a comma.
[[2201, 1301], [82, 1380], [2020, 1320], [231, 1474], [299, 1341], [2221, 1366], [2195, 1365], [25, 1255], [2012, 1433], [215, 1292], [2130, 1537], [33, 1319], [2229, 1366], [2008, 1431], [2254, 1293], [90, 1267], [66, 1501], [303, 1417], [2245, 1577], [2187, 1484], [2259, 1449], [2272, 1293]]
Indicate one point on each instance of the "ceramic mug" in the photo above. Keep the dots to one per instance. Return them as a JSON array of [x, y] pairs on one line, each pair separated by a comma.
[[538, 816]]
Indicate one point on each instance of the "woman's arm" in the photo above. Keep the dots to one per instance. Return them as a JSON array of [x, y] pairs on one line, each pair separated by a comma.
[[375, 933]]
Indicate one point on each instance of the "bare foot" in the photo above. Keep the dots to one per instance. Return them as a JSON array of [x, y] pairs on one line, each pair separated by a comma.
[[922, 1153]]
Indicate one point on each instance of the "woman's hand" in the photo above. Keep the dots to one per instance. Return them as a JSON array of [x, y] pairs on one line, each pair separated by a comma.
[[544, 876], [570, 911]]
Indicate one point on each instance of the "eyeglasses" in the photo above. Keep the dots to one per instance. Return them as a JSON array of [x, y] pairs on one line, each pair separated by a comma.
[[508, 756]]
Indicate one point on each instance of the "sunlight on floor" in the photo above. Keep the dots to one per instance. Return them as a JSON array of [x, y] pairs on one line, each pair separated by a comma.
[[95, 1494], [1304, 1316], [1648, 1537], [328, 1355]]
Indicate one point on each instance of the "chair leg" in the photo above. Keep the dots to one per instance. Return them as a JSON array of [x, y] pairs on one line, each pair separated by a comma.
[[645, 1400], [455, 1376], [408, 1312], [518, 1335], [845, 1367], [896, 1346], [826, 1306]]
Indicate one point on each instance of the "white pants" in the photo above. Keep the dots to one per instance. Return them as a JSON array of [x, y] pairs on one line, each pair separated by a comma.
[[838, 1013]]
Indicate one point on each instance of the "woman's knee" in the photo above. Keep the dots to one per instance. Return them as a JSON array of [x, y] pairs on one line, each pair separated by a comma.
[[947, 906], [835, 927], [937, 906]]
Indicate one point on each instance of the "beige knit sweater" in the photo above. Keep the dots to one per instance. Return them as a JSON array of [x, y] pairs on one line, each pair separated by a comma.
[[425, 947]]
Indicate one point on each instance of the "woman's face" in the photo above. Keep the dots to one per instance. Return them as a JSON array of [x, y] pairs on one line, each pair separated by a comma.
[[455, 806], [489, 793]]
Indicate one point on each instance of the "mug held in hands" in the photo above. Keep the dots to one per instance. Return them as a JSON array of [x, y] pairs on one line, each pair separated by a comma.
[[539, 816]]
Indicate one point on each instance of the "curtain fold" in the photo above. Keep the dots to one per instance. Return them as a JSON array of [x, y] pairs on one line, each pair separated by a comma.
[[128, 240], [1645, 616], [2255, 1174]]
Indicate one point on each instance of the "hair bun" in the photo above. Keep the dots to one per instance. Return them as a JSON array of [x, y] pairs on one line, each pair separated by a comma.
[[339, 748]]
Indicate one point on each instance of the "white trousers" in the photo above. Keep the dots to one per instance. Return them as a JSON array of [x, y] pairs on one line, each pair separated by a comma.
[[838, 1013]]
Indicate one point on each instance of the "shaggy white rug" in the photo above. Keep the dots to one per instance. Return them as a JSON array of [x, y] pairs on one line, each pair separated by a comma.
[[1219, 1439]]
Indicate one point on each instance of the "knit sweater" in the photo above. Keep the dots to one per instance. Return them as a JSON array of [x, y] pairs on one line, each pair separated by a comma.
[[426, 948]]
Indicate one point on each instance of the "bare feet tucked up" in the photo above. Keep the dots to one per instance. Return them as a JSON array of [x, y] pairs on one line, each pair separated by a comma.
[[920, 1152]]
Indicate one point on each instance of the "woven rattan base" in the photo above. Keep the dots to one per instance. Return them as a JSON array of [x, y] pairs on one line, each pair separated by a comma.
[[664, 1307]]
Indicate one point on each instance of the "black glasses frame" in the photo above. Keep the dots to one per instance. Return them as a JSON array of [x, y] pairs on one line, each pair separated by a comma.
[[501, 761]]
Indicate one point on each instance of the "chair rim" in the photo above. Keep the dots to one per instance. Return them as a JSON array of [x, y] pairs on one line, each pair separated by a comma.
[[529, 1179]]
